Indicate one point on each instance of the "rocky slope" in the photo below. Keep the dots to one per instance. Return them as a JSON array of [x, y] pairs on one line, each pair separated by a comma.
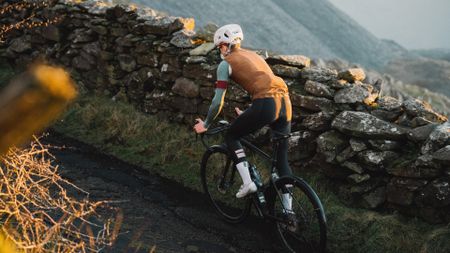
[[433, 74], [437, 54]]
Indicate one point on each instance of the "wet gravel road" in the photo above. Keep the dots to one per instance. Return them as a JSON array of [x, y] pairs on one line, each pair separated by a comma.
[[158, 213]]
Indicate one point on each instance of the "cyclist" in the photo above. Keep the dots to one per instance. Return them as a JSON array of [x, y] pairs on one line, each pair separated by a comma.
[[270, 103]]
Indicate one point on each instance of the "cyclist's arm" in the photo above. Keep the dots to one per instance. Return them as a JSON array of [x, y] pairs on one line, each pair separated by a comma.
[[223, 75]]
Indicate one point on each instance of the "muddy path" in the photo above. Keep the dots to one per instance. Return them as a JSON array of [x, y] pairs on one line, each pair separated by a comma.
[[158, 213]]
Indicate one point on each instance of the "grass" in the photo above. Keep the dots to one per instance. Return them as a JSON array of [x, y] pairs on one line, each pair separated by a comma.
[[171, 151], [118, 129]]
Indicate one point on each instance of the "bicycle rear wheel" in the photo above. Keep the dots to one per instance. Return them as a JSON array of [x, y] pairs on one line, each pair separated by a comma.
[[221, 182], [301, 228]]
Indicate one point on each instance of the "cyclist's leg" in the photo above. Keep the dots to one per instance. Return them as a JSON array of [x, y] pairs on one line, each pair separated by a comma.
[[260, 113], [283, 125]]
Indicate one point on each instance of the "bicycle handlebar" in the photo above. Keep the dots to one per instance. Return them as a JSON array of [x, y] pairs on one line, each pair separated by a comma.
[[224, 125]]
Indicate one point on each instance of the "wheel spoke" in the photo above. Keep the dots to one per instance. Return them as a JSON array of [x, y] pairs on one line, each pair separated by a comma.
[[301, 228], [218, 182]]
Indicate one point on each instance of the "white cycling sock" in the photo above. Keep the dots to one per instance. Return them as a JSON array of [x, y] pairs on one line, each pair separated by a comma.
[[242, 167]]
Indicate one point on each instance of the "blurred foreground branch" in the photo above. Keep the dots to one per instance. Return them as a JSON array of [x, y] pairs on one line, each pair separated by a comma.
[[31, 101]]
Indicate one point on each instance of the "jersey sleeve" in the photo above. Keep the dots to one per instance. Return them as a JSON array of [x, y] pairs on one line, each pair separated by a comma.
[[223, 75]]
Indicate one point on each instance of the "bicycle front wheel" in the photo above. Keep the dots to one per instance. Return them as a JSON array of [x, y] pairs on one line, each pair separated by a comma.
[[300, 221], [221, 182]]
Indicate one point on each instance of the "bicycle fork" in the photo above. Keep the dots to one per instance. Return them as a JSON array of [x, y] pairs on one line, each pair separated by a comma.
[[224, 183]]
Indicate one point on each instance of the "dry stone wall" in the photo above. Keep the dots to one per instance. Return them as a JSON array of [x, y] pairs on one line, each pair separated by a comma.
[[377, 151]]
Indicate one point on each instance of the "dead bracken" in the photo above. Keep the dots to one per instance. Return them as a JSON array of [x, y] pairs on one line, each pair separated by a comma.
[[37, 212]]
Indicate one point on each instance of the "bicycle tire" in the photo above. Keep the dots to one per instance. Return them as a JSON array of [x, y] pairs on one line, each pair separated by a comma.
[[307, 231], [221, 183]]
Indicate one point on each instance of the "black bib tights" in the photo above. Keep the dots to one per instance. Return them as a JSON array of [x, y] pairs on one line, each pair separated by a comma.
[[262, 112]]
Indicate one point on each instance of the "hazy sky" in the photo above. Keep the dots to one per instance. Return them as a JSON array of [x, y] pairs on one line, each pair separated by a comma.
[[412, 23]]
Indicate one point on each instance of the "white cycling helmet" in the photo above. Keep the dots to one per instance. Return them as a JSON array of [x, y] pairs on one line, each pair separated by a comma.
[[229, 34]]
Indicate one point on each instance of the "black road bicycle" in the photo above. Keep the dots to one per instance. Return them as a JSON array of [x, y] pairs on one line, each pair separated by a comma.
[[300, 229]]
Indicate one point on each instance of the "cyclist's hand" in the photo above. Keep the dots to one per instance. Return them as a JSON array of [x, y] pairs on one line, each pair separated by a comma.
[[200, 126], [238, 111]]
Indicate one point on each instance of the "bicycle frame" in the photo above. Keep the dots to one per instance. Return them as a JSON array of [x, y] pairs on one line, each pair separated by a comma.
[[246, 143], [264, 199]]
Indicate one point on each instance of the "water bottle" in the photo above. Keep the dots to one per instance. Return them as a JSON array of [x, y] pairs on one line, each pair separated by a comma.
[[255, 176]]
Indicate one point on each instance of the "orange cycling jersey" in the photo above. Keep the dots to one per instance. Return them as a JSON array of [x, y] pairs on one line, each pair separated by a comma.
[[251, 72]]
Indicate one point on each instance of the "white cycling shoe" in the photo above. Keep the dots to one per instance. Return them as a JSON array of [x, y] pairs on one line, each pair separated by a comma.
[[246, 189]]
